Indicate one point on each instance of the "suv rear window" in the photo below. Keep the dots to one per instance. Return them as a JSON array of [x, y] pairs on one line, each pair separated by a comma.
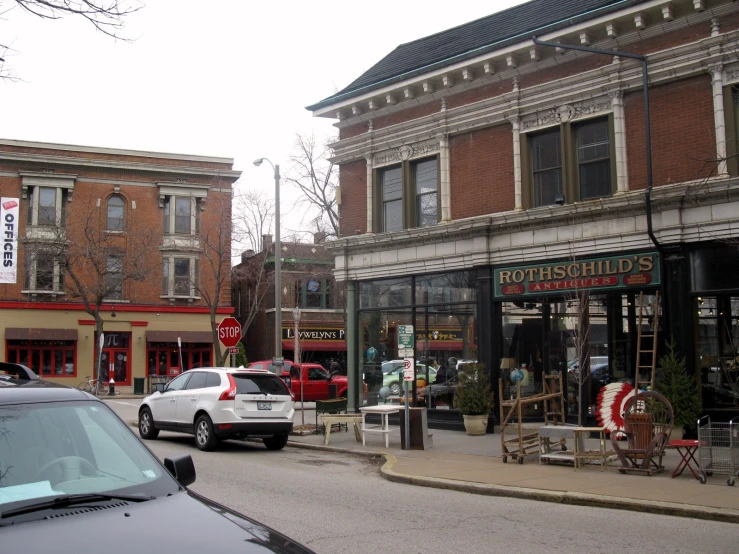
[[259, 384]]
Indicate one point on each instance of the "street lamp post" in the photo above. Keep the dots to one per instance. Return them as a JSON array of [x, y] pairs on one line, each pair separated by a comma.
[[278, 259]]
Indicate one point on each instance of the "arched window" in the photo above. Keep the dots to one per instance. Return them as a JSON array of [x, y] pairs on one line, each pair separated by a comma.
[[116, 209]]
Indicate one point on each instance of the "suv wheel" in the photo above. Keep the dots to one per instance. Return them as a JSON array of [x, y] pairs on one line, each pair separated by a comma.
[[277, 442], [205, 436], [146, 425]]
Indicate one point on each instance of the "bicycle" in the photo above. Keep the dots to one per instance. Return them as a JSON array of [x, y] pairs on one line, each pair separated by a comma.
[[93, 386]]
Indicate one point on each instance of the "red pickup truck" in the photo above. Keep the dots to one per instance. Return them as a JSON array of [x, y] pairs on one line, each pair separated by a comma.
[[316, 380]]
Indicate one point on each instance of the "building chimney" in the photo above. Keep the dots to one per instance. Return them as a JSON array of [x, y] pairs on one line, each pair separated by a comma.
[[246, 254], [319, 237], [266, 242]]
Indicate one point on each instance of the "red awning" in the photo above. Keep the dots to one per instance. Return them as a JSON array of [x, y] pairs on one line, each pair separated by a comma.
[[324, 345]]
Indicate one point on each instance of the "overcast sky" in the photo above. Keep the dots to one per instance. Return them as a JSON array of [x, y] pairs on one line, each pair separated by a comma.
[[209, 77]]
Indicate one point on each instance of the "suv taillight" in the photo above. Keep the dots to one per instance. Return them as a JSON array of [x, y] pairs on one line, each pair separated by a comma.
[[230, 392]]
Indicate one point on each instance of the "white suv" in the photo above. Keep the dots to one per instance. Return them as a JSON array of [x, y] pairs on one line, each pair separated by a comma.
[[215, 403]]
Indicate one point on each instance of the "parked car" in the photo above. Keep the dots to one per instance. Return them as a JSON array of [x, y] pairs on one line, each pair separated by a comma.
[[217, 403], [393, 379], [75, 478]]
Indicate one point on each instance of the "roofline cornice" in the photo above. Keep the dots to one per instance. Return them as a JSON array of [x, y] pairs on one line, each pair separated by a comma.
[[65, 161], [354, 109]]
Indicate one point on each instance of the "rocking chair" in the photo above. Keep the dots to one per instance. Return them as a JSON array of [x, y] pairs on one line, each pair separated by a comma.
[[648, 420]]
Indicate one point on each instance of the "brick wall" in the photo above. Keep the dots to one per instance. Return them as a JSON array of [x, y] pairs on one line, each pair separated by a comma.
[[146, 219], [481, 165], [683, 135], [353, 209]]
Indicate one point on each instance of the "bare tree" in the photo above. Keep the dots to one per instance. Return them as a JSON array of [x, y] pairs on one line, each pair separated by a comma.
[[85, 259], [313, 174], [253, 218], [212, 281], [107, 16]]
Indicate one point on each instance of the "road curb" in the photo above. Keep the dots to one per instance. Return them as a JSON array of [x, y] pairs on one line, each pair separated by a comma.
[[557, 497]]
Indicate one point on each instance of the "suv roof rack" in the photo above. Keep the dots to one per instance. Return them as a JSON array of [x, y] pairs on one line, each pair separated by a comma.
[[19, 370]]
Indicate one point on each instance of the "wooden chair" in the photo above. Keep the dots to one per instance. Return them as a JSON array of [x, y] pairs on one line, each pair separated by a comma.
[[648, 420]]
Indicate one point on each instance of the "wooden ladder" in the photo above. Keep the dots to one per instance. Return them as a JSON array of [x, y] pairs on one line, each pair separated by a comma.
[[645, 372]]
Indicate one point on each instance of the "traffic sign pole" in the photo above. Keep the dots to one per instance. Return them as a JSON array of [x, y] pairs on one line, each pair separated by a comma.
[[406, 342]]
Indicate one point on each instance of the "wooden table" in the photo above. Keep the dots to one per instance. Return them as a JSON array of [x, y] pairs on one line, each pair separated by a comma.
[[583, 456], [329, 420], [384, 410]]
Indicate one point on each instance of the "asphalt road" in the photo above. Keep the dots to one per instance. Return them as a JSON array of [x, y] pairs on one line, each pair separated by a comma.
[[337, 503]]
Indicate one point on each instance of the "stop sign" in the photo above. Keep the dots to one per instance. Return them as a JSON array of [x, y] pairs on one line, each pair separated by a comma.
[[229, 331]]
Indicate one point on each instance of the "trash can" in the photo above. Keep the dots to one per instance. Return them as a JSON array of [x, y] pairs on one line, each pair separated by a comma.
[[418, 429], [138, 385]]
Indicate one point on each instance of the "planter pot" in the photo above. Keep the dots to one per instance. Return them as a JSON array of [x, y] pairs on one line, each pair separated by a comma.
[[475, 424], [677, 433]]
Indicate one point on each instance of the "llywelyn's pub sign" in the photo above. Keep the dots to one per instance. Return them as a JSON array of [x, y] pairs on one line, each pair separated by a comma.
[[617, 272]]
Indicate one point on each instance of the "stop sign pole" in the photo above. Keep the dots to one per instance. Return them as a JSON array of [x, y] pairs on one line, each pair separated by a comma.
[[229, 333]]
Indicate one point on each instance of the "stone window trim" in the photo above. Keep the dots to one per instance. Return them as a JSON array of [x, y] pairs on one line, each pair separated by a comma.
[[181, 189], [569, 161], [62, 181], [408, 196]]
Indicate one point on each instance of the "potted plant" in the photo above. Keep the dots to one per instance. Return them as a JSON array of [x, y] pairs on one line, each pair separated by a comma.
[[679, 388], [474, 397]]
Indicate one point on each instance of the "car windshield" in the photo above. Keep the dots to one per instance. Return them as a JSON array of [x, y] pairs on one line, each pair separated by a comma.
[[61, 448]]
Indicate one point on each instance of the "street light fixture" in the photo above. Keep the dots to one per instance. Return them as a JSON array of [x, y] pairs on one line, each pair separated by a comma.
[[278, 259]]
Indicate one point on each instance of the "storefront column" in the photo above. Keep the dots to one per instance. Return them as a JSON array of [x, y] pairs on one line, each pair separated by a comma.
[[485, 328], [619, 133], [517, 179], [677, 302], [354, 380]]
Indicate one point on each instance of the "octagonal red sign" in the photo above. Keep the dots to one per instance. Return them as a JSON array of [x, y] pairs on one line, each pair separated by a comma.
[[229, 332]]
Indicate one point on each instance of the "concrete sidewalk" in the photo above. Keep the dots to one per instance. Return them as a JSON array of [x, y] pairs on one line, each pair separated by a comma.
[[473, 464]]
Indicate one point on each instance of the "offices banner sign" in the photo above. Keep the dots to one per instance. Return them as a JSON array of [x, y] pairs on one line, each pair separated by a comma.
[[9, 221], [617, 272]]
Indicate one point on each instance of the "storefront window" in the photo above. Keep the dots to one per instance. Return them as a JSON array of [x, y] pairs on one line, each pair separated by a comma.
[[717, 329], [53, 358], [388, 293]]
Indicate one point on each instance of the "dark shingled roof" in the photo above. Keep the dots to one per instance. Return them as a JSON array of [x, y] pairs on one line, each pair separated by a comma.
[[475, 38]]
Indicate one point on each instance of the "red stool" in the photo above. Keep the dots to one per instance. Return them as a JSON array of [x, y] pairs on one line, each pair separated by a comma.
[[686, 449]]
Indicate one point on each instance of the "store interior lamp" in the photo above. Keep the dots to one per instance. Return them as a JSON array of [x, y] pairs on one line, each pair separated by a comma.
[[112, 313]]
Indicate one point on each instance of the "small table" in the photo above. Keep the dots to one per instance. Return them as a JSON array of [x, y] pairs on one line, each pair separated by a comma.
[[581, 455], [686, 449], [384, 410], [329, 420]]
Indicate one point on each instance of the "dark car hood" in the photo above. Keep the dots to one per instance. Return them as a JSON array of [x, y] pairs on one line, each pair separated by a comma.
[[183, 523]]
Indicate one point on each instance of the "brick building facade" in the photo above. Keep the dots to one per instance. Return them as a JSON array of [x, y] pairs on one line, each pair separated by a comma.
[[307, 283], [478, 162], [138, 230]]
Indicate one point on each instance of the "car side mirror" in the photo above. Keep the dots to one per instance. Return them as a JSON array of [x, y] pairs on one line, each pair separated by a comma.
[[181, 468]]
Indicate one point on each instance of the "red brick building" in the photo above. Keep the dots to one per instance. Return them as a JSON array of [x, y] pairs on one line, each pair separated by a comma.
[[307, 283], [478, 164], [149, 221]]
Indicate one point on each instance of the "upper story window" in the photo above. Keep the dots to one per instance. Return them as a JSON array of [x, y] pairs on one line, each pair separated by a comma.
[[182, 204], [180, 276], [115, 213], [46, 197], [407, 195], [46, 206], [114, 278], [181, 215], [569, 163], [731, 115], [314, 292], [42, 272]]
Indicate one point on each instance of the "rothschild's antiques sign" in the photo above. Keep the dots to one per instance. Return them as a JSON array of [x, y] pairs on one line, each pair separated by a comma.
[[617, 272]]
